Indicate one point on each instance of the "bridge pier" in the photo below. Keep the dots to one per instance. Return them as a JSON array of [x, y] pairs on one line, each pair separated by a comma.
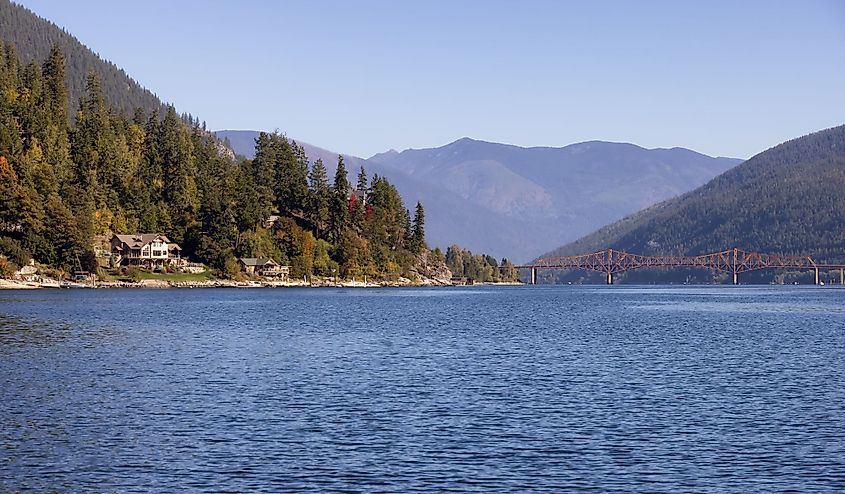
[[533, 275], [817, 275], [841, 276], [609, 278], [736, 279]]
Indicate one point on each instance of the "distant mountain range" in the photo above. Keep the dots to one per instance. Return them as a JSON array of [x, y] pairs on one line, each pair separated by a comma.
[[786, 200], [516, 202]]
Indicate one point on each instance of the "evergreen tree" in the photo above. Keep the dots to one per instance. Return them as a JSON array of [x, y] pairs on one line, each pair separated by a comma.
[[179, 172], [55, 90], [251, 209], [262, 174], [362, 180], [291, 177], [152, 172], [339, 205], [139, 116], [417, 243], [320, 197], [12, 66], [264, 165]]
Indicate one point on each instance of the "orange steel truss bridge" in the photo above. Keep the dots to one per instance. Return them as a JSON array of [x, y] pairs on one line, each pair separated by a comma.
[[733, 261]]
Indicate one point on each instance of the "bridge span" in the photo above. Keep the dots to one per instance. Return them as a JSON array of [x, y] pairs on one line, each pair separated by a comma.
[[733, 261]]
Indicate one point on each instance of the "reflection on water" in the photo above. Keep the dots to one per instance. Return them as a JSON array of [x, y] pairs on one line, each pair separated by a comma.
[[18, 331], [746, 307], [616, 389]]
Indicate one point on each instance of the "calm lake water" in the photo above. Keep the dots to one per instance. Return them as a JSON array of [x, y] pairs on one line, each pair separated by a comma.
[[495, 389]]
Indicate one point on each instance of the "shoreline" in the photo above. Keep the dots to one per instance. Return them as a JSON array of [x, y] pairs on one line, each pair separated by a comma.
[[6, 284]]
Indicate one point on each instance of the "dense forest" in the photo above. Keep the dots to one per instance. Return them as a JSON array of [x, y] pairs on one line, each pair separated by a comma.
[[34, 37], [786, 200], [62, 185]]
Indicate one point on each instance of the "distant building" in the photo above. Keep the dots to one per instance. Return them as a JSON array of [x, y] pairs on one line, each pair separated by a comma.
[[145, 249], [264, 267], [268, 224]]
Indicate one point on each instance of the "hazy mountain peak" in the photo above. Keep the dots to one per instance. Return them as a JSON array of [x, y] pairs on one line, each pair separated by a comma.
[[558, 192], [383, 156]]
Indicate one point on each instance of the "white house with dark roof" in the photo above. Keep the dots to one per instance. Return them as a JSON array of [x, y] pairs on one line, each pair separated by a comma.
[[145, 249]]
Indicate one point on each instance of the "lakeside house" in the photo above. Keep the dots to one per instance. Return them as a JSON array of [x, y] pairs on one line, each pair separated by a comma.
[[145, 249], [268, 268]]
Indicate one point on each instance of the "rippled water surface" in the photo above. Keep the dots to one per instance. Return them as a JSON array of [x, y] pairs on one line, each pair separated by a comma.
[[726, 389]]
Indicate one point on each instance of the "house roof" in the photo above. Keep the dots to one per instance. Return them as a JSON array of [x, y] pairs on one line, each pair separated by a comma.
[[138, 240], [256, 261]]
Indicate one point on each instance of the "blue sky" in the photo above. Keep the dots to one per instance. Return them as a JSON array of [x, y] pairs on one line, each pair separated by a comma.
[[721, 77]]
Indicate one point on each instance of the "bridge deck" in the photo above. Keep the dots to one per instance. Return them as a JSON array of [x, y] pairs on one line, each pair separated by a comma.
[[734, 261]]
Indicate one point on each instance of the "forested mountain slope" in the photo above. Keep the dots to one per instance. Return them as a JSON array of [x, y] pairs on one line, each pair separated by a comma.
[[63, 184], [787, 200], [33, 38]]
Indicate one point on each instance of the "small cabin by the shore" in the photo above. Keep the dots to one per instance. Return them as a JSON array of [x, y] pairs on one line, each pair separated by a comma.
[[264, 267]]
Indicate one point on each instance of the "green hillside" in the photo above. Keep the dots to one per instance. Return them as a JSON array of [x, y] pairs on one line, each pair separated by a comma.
[[786, 200], [33, 38], [63, 184]]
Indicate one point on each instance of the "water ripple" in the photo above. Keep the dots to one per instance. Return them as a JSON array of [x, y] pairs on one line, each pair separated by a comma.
[[504, 389]]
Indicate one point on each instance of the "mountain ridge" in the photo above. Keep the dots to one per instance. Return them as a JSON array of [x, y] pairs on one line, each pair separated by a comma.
[[522, 196], [34, 36], [783, 200]]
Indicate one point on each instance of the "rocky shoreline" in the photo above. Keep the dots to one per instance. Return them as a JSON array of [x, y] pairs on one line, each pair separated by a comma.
[[8, 284]]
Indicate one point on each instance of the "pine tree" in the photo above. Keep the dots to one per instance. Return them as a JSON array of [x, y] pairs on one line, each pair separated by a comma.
[[139, 116], [89, 139], [179, 171], [264, 165], [262, 173], [339, 205], [251, 209], [362, 180], [417, 243], [12, 66], [55, 90], [152, 172], [291, 177], [320, 197]]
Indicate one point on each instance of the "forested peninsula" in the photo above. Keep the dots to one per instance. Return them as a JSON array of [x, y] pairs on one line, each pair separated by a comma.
[[71, 181]]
